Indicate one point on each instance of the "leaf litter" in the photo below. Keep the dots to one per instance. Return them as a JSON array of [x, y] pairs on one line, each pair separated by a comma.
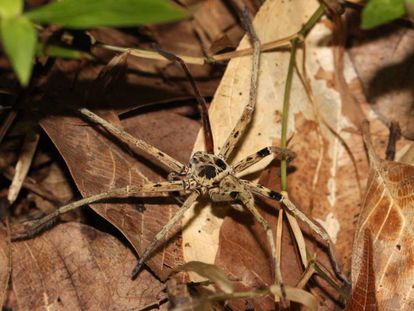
[[318, 201]]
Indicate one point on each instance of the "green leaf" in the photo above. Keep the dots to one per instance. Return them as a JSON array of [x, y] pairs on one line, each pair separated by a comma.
[[10, 8], [98, 13], [378, 12], [60, 51], [19, 41]]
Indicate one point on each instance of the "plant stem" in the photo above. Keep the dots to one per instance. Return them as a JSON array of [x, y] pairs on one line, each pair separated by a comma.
[[320, 11], [285, 113], [288, 86]]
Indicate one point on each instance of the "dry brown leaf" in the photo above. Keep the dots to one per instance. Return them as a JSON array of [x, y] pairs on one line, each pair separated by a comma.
[[75, 267], [98, 164], [382, 58], [5, 264], [363, 293], [387, 213]]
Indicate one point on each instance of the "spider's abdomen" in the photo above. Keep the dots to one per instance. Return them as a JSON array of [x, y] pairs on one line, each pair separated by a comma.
[[207, 169]]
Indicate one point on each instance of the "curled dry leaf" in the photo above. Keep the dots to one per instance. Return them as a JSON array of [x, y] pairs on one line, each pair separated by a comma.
[[75, 267], [387, 213], [297, 295], [211, 272], [363, 297]]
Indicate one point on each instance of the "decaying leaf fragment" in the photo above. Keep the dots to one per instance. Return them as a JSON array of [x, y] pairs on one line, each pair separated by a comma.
[[387, 211]]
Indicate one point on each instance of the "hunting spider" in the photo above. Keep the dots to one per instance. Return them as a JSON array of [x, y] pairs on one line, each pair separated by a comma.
[[206, 174]]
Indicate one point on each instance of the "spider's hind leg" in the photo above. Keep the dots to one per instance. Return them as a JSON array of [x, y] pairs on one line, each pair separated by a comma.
[[231, 189], [299, 214]]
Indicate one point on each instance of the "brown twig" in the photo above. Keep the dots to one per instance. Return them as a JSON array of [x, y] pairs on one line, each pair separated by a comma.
[[394, 136]]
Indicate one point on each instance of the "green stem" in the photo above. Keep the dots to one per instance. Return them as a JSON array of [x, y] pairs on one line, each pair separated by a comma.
[[285, 112], [320, 11]]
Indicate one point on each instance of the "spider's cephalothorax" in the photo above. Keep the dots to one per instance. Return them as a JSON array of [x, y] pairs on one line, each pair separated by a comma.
[[207, 169]]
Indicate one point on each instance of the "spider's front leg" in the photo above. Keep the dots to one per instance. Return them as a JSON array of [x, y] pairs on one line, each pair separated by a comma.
[[40, 224], [162, 233], [279, 153]]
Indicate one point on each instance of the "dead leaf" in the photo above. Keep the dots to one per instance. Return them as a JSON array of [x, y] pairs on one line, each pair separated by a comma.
[[5, 264], [23, 164], [363, 292], [211, 272], [386, 212], [75, 267], [98, 164], [382, 58]]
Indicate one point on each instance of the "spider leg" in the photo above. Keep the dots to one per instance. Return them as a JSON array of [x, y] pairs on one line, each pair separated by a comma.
[[247, 114], [164, 158], [161, 234], [317, 228], [279, 153], [44, 222], [231, 189], [247, 198]]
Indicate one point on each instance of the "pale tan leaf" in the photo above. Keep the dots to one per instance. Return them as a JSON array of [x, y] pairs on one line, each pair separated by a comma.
[[387, 213], [23, 164], [211, 272], [297, 295]]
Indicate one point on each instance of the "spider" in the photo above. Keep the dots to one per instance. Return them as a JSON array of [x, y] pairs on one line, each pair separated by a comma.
[[206, 173]]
